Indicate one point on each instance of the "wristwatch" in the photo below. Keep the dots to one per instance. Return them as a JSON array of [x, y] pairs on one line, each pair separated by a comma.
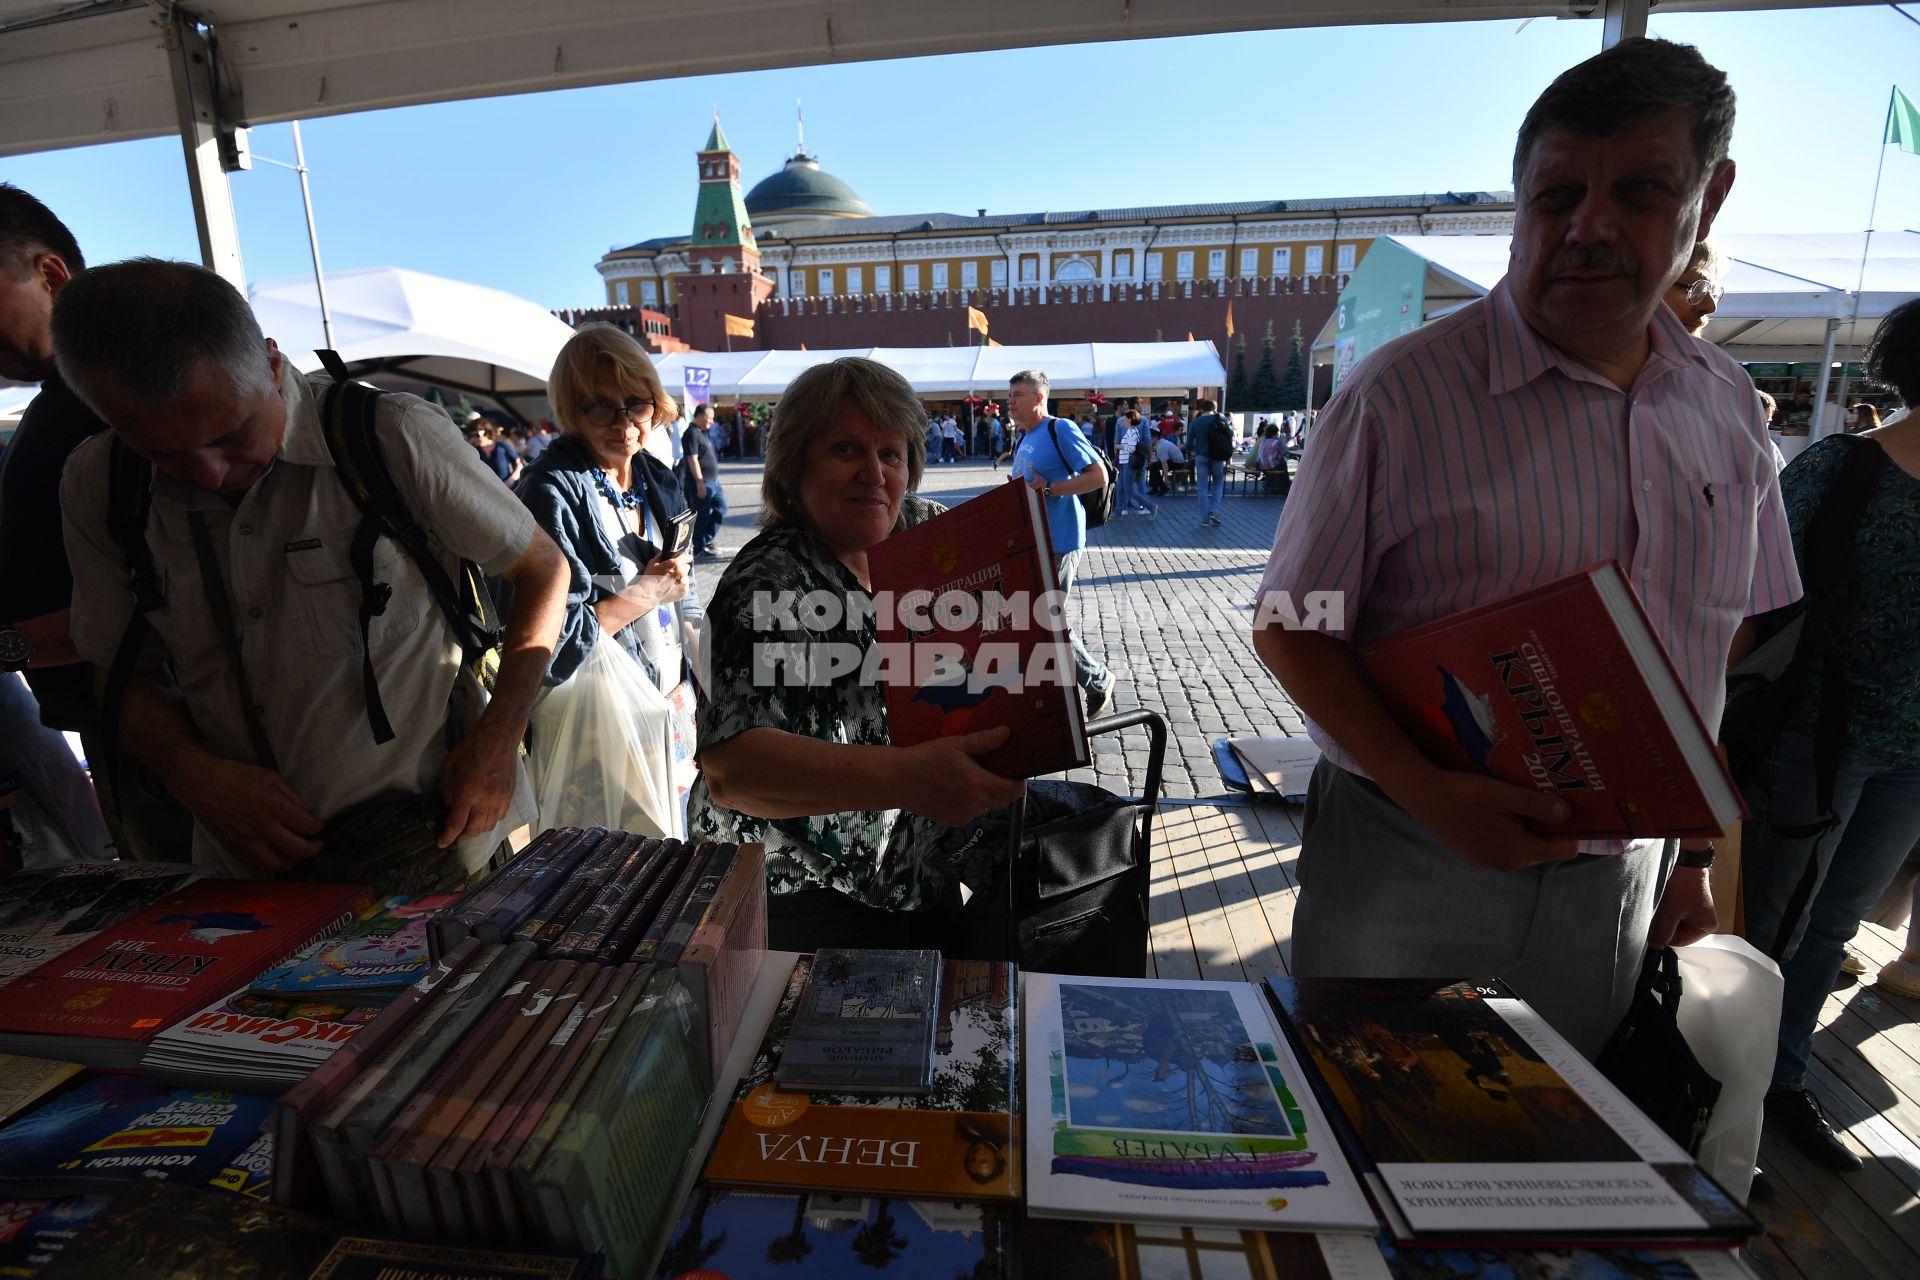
[[1696, 859], [1046, 490], [16, 650]]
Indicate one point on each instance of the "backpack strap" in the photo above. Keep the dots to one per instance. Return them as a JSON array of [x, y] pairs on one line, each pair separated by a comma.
[[347, 417], [129, 503]]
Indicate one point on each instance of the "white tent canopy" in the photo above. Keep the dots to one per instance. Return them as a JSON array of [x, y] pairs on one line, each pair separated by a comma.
[[1114, 368], [1781, 289], [406, 329]]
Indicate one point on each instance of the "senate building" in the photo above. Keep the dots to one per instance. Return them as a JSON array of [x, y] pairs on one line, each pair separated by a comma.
[[801, 260]]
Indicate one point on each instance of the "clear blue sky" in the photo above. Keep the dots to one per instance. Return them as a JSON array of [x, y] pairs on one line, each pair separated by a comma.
[[525, 193]]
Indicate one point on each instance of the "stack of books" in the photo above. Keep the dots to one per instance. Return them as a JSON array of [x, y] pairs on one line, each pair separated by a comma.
[[543, 1081], [99, 1003]]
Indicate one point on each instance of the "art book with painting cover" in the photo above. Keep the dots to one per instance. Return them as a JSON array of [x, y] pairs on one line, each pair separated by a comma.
[[954, 1142], [971, 633], [865, 1023], [100, 1003], [1174, 1101], [751, 1235], [1564, 688], [1473, 1122], [111, 1129]]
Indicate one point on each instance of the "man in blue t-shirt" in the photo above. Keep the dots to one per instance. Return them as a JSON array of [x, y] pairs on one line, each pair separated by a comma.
[[1053, 456]]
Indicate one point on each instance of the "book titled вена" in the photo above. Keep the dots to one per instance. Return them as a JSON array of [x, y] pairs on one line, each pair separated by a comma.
[[967, 612], [1565, 688]]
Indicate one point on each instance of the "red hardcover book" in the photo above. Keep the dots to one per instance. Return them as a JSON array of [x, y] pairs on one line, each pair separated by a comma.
[[100, 1003], [968, 616], [1565, 688]]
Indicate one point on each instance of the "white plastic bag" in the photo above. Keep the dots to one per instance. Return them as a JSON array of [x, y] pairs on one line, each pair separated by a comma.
[[1730, 1015], [603, 748]]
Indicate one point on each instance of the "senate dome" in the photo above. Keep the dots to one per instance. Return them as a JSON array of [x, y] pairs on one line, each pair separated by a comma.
[[803, 190]]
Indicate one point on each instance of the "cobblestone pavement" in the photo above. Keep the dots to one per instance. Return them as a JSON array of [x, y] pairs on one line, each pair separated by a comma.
[[1164, 602]]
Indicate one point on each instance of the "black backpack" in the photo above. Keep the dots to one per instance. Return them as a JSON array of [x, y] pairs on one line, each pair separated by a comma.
[[1098, 502], [1220, 439], [347, 418]]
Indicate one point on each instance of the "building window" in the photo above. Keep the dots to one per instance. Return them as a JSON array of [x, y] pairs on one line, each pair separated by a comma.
[[883, 279], [910, 273], [1156, 265], [1283, 262], [1316, 259], [969, 275], [1344, 256], [998, 273], [939, 275], [1029, 269], [1216, 264], [649, 294], [855, 280], [1183, 264], [620, 293], [825, 289], [1122, 263], [1249, 262]]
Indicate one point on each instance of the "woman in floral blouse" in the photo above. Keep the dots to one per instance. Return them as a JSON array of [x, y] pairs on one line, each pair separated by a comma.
[[793, 745]]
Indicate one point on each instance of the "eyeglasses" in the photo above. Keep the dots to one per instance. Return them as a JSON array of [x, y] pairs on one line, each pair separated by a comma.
[[1700, 292], [604, 413]]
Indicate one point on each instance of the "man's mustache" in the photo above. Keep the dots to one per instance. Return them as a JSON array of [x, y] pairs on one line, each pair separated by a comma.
[[1591, 258]]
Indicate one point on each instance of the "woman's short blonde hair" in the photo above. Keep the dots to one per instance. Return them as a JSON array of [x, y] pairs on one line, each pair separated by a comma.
[[808, 408], [603, 348]]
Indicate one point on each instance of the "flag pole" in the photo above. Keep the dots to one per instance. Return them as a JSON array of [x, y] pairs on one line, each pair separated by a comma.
[[1866, 246]]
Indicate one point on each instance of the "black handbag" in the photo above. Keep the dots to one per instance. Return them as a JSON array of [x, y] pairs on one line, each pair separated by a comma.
[[1648, 1059]]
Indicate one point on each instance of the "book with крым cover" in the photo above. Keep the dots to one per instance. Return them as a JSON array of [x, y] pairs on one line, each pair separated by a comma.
[[99, 1004], [1473, 1122], [955, 1142], [1564, 688], [1175, 1101], [865, 1024], [972, 635]]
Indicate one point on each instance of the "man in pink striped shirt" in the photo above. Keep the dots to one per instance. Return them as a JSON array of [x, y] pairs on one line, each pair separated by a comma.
[[1567, 418]]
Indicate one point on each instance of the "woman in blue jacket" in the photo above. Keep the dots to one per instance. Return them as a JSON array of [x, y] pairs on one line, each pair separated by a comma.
[[607, 502]]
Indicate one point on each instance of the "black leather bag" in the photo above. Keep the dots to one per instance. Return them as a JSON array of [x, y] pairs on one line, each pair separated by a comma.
[[1650, 1061], [1076, 902]]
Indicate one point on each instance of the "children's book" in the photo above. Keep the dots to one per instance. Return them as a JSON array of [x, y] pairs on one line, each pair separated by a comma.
[[110, 1130], [365, 963]]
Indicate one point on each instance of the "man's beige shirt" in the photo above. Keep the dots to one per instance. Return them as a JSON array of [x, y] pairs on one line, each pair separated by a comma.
[[296, 606]]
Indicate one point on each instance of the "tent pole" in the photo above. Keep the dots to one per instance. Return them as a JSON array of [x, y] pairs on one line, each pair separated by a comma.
[[1820, 424], [313, 236]]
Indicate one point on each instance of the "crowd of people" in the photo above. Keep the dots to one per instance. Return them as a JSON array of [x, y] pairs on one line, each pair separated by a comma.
[[250, 656]]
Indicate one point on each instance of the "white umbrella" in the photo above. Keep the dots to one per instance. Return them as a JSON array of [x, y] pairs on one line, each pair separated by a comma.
[[410, 331]]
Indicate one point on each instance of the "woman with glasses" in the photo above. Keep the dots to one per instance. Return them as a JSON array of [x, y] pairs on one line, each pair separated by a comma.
[[607, 503], [1697, 293]]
